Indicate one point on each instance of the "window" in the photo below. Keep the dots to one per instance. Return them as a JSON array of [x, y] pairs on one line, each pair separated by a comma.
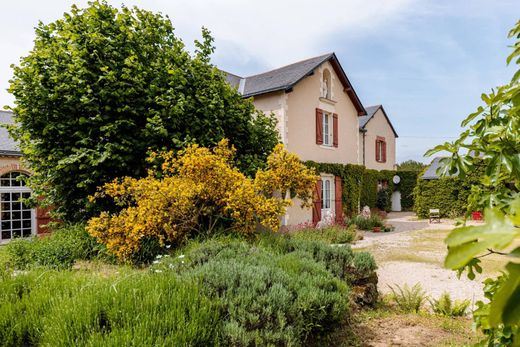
[[16, 219], [326, 85], [327, 196], [380, 150], [327, 129]]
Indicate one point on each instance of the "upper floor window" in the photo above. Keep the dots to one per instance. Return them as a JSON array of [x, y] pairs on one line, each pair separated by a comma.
[[326, 85], [380, 150], [326, 128], [328, 131]]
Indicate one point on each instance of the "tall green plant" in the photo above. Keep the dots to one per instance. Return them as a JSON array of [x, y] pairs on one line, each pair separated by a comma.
[[492, 136], [102, 86]]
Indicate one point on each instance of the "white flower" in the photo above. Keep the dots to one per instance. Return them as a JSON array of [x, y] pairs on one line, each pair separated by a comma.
[[158, 271], [159, 256], [182, 262], [181, 256], [168, 246], [171, 266], [156, 261]]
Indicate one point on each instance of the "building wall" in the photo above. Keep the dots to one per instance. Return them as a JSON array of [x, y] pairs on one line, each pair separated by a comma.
[[301, 109], [378, 126], [296, 115]]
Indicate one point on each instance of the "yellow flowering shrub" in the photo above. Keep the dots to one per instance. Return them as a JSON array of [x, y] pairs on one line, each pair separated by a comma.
[[193, 191]]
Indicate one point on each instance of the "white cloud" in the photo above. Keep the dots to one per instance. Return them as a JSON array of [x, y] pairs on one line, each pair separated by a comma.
[[273, 32]]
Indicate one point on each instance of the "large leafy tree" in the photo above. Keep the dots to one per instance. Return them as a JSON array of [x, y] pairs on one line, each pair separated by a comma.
[[492, 139], [103, 86]]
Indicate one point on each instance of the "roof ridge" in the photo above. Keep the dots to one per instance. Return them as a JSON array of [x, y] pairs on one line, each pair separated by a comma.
[[288, 65]]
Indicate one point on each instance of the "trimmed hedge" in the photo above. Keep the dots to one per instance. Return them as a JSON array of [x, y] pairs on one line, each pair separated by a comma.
[[448, 194], [360, 185]]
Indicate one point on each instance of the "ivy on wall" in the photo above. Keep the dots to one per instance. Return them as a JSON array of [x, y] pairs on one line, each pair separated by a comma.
[[360, 184]]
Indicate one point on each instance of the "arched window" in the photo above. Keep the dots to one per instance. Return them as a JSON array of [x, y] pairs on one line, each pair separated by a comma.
[[327, 84], [16, 219]]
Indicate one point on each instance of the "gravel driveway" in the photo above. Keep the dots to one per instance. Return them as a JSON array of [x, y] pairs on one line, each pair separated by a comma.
[[414, 253]]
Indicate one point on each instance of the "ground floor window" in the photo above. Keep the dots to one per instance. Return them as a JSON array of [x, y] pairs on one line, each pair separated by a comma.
[[327, 196], [16, 218]]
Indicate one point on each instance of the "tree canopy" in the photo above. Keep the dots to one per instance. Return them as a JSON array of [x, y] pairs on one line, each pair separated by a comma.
[[411, 165], [104, 86]]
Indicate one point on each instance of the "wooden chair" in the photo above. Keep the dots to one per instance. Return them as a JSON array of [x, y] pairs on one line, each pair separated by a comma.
[[435, 215]]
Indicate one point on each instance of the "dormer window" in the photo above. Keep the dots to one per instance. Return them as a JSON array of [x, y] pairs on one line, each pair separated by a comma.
[[326, 85]]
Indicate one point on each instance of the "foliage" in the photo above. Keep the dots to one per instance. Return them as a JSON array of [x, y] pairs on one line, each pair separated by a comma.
[[365, 223], [447, 307], [351, 178], [198, 189], [409, 299], [78, 309], [360, 184], [406, 187], [383, 201], [277, 292], [448, 194], [411, 165], [102, 86], [491, 139], [59, 250], [331, 234]]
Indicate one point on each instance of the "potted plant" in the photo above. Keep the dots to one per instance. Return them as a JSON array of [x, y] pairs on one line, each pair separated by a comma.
[[377, 229]]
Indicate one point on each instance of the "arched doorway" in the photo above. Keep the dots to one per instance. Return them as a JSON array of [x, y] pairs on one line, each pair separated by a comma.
[[16, 219]]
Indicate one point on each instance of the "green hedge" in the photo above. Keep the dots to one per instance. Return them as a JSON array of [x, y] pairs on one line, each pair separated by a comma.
[[360, 184], [448, 194]]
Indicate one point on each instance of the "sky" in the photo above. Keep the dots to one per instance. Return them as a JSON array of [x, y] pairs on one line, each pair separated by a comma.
[[426, 61]]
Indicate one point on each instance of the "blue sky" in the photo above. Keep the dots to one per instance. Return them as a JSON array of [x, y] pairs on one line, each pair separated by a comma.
[[427, 62]]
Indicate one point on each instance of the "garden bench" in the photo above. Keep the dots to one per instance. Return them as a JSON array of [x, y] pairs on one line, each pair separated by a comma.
[[435, 214]]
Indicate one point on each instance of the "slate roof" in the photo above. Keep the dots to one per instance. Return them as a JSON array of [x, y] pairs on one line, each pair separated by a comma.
[[371, 111], [431, 171], [8, 146], [284, 78]]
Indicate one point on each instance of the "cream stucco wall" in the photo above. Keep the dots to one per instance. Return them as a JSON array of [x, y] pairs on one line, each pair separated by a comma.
[[296, 115], [378, 126]]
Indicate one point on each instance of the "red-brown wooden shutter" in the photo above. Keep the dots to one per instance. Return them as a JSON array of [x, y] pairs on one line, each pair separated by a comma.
[[335, 130], [316, 206], [383, 143], [377, 151], [338, 200], [42, 219], [319, 126]]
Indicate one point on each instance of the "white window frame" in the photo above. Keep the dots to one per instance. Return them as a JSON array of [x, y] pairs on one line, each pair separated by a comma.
[[327, 195], [328, 129], [17, 189]]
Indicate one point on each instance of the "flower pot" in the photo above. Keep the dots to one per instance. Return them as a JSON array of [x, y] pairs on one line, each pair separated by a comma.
[[476, 215], [377, 229]]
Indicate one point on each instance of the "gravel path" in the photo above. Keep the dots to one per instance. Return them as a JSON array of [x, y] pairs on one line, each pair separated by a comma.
[[414, 253]]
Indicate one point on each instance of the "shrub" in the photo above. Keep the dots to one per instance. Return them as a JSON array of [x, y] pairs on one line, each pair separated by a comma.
[[383, 201], [199, 189], [270, 296], [135, 309], [330, 234], [409, 299], [364, 223], [59, 250], [447, 307]]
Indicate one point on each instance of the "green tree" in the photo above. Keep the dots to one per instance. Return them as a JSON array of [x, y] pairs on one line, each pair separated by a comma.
[[492, 138], [104, 86], [411, 165]]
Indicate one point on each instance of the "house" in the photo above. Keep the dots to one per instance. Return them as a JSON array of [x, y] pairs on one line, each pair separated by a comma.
[[17, 219], [377, 139], [318, 113]]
